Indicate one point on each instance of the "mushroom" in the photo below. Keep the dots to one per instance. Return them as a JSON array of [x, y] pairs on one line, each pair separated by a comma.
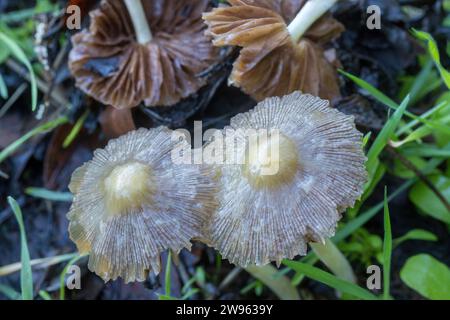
[[152, 51], [281, 52], [131, 202], [298, 165]]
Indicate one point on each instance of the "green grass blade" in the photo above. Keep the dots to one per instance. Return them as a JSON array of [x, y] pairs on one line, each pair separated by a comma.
[[426, 150], [40, 129], [383, 138], [423, 116], [424, 131], [44, 295], [330, 280], [9, 292], [75, 130], [3, 88], [18, 53], [420, 81], [167, 278], [434, 53], [62, 277], [26, 276], [377, 94], [387, 249], [364, 217], [381, 97], [49, 195]]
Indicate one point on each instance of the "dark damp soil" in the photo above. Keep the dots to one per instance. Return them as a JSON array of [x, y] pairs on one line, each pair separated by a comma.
[[379, 57]]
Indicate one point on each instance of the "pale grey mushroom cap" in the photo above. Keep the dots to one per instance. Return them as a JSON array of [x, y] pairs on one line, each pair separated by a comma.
[[131, 202], [321, 173]]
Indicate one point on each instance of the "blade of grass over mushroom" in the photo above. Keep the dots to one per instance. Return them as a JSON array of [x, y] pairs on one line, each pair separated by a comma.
[[75, 130], [381, 97], [280, 285], [387, 249], [434, 53], [26, 276], [62, 277], [9, 292], [18, 53], [48, 194], [40, 129], [330, 280]]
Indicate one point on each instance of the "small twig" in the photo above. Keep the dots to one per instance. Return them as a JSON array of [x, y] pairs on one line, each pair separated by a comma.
[[229, 278], [408, 164], [182, 272], [16, 95], [38, 263], [58, 61], [59, 99], [4, 175]]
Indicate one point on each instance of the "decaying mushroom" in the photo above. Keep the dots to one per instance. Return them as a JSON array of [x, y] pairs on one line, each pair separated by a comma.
[[131, 202], [152, 51], [267, 215], [282, 51]]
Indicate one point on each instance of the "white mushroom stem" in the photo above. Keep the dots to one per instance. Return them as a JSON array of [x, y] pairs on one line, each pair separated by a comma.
[[310, 13], [140, 24], [330, 255]]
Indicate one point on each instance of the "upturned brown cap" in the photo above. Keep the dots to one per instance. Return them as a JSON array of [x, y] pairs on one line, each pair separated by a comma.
[[270, 63], [111, 66], [132, 202], [273, 201]]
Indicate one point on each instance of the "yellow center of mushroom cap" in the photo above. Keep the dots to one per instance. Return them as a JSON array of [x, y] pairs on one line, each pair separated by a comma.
[[127, 187], [271, 160]]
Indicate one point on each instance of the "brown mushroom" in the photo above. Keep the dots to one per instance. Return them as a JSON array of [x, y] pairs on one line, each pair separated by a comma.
[[299, 165], [151, 52], [277, 57], [131, 202]]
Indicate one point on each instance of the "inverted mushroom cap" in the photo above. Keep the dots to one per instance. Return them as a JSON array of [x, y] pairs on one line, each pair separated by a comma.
[[131, 202], [111, 66], [270, 63], [316, 172]]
